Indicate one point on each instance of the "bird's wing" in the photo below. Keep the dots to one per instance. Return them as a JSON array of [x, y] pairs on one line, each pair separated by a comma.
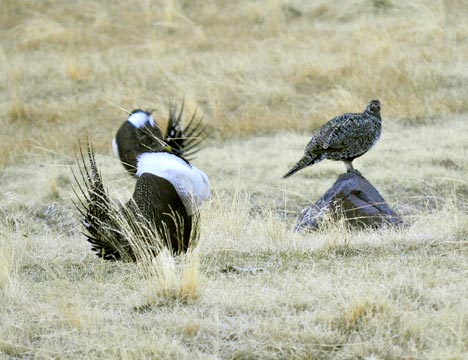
[[188, 140], [336, 134], [160, 204]]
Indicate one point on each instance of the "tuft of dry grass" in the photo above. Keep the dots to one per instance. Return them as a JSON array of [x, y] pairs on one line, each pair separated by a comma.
[[7, 271], [166, 277], [359, 314], [169, 279]]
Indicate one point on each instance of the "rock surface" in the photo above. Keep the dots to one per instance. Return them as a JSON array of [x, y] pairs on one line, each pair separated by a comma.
[[351, 197]]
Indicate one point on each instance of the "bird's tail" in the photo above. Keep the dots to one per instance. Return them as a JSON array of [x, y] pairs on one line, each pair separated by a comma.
[[100, 217], [187, 140], [304, 162]]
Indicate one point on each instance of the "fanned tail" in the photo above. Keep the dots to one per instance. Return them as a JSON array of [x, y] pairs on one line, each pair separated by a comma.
[[304, 162], [188, 140], [100, 216]]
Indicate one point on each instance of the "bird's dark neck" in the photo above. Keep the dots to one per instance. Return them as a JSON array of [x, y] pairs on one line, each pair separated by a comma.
[[372, 114]]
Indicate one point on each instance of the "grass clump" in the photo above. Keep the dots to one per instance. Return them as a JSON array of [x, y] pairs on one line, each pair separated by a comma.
[[168, 278]]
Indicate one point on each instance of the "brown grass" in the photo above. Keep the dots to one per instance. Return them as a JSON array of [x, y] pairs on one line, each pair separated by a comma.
[[253, 67], [253, 288], [265, 73]]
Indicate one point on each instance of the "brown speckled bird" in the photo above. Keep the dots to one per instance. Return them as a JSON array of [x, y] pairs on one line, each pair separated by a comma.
[[343, 138]]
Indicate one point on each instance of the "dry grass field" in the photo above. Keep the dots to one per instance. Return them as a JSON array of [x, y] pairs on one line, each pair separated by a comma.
[[265, 74]]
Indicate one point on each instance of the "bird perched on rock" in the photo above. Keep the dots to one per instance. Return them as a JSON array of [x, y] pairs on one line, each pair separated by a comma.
[[140, 133], [164, 208], [343, 138]]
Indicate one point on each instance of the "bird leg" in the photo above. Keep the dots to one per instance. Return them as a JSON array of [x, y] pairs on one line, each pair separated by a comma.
[[349, 165], [350, 168]]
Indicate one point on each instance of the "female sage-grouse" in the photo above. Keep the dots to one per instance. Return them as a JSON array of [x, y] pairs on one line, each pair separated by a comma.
[[164, 208], [343, 138]]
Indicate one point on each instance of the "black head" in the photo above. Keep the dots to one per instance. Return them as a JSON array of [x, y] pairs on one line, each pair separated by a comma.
[[142, 119], [373, 107]]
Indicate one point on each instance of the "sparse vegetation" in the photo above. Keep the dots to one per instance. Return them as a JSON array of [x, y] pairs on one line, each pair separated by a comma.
[[265, 74], [252, 67]]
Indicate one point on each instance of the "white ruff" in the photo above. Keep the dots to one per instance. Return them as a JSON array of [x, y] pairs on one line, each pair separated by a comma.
[[140, 119], [191, 184], [115, 148]]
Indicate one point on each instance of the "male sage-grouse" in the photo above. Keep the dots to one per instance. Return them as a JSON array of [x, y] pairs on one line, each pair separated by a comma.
[[140, 134], [169, 190], [343, 138]]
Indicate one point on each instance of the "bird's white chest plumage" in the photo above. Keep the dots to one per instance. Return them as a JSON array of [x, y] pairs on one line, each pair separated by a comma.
[[191, 184]]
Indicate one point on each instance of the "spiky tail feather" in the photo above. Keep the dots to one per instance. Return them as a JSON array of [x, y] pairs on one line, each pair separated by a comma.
[[304, 162], [98, 213], [120, 233], [188, 140]]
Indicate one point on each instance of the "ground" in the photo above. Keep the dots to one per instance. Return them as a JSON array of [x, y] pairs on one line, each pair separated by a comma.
[[265, 75]]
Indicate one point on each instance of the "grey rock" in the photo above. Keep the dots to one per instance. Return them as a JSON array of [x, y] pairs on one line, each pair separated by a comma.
[[351, 197]]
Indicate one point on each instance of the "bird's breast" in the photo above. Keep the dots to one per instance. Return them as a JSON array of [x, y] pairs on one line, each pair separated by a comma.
[[191, 184]]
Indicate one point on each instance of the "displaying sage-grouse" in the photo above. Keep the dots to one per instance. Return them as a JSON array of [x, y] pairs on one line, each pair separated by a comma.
[[164, 208], [343, 138], [140, 133]]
